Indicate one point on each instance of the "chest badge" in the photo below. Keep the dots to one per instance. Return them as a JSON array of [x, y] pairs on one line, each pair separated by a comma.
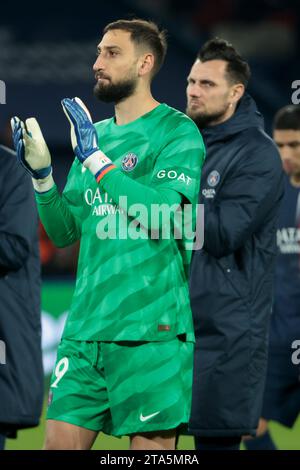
[[213, 178], [129, 162]]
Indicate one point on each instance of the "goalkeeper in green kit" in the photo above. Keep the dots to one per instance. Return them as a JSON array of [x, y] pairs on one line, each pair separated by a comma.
[[124, 364]]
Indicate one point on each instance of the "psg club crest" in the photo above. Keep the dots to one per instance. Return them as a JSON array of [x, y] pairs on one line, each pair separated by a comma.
[[213, 178], [129, 161]]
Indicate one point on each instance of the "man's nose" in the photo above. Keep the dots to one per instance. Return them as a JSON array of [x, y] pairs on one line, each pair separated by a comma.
[[193, 91], [286, 153], [99, 64]]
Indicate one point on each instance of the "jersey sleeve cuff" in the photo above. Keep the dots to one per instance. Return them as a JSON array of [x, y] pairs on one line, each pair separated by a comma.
[[43, 185]]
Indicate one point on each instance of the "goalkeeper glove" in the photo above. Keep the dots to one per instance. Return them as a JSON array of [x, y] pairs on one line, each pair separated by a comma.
[[84, 138], [32, 152]]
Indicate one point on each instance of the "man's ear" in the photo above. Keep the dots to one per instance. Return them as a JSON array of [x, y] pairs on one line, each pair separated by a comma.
[[237, 92], [146, 64]]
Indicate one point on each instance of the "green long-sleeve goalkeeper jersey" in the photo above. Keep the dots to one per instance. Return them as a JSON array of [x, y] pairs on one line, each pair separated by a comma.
[[132, 277]]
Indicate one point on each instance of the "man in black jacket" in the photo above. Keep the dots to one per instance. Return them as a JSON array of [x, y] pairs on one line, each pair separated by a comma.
[[21, 371], [282, 390], [231, 277]]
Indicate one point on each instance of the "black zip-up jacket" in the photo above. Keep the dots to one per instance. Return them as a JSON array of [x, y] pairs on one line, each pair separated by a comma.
[[21, 371], [232, 276]]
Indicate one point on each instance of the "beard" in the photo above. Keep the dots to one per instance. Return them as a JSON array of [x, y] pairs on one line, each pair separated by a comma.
[[206, 119], [115, 92]]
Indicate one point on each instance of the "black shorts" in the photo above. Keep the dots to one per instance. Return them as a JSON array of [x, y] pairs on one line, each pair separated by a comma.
[[282, 390]]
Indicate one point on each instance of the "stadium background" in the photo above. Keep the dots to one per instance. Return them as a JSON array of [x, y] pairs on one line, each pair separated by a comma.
[[46, 53]]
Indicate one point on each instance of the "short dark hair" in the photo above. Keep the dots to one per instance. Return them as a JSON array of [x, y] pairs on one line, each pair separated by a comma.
[[287, 117], [237, 70], [144, 33]]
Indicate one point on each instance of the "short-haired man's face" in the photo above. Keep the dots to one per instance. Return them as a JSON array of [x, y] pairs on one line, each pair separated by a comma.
[[208, 93], [288, 142], [116, 67]]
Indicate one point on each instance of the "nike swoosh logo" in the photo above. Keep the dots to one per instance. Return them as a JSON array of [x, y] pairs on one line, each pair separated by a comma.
[[145, 418]]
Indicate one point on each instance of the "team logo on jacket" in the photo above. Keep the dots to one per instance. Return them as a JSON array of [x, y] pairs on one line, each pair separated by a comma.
[[129, 161], [213, 178]]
